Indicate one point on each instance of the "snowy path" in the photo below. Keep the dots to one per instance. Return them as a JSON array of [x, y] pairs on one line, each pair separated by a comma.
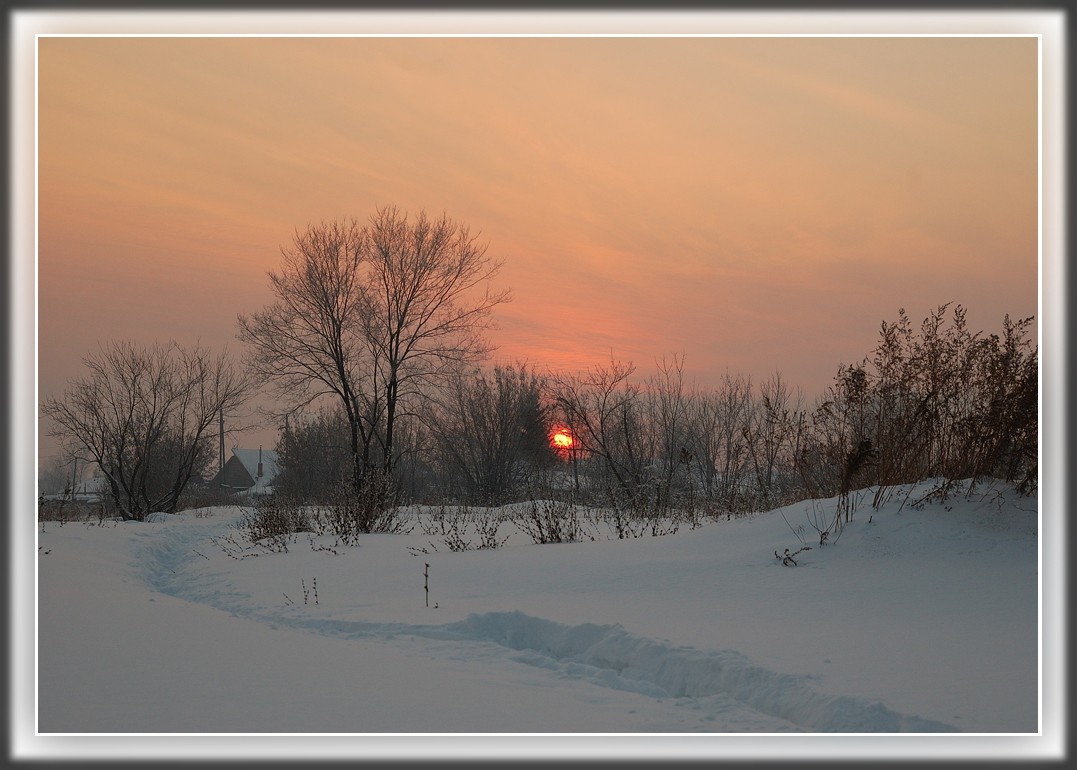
[[722, 691]]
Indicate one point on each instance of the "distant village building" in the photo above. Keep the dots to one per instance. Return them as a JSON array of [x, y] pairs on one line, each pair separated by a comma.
[[250, 471], [89, 490]]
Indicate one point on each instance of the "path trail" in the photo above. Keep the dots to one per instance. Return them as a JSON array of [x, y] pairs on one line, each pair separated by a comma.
[[727, 691]]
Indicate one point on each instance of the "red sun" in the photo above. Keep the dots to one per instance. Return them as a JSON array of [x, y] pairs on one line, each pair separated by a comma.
[[562, 439]]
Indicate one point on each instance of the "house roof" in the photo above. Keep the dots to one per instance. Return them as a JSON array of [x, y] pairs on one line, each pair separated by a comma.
[[249, 459]]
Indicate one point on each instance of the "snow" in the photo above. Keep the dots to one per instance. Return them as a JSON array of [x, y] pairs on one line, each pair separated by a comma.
[[916, 620]]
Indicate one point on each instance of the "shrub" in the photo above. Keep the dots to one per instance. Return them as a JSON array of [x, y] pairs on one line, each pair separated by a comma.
[[273, 521], [458, 525], [551, 521], [373, 510]]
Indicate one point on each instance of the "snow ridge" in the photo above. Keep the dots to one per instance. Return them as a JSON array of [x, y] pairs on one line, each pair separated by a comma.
[[623, 660], [606, 655]]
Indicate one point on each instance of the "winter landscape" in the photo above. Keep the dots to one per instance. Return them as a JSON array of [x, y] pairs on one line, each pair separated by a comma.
[[541, 397], [920, 618]]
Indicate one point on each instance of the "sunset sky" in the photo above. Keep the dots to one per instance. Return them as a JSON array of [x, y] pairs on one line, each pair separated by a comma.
[[757, 204]]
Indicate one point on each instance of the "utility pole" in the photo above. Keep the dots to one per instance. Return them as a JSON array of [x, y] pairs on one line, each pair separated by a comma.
[[221, 456]]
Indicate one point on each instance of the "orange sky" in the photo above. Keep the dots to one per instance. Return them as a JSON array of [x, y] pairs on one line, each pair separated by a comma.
[[755, 203]]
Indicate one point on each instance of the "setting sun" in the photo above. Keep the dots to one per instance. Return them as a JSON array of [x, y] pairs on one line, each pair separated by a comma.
[[562, 439]]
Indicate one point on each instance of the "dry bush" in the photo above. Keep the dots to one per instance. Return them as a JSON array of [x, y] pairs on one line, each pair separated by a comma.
[[375, 509], [459, 525], [274, 521], [551, 521]]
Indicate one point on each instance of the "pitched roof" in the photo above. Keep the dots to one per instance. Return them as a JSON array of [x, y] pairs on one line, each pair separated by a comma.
[[249, 458]]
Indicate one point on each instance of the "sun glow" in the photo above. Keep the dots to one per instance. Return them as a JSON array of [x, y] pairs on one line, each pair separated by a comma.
[[562, 439]]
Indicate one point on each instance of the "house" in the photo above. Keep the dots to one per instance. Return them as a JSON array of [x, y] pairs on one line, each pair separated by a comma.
[[250, 471]]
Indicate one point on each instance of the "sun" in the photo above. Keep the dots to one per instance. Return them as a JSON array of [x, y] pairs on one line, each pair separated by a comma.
[[562, 439]]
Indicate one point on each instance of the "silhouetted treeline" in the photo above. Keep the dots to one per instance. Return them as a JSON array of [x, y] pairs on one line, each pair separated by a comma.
[[933, 401]]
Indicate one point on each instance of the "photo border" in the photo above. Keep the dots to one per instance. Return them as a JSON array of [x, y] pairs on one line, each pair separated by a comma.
[[21, 288]]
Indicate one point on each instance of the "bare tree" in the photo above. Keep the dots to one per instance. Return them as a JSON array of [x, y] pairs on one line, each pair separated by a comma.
[[146, 418], [490, 432], [313, 456], [310, 343], [717, 443], [367, 315], [424, 312], [603, 409], [668, 397], [770, 432], [59, 474]]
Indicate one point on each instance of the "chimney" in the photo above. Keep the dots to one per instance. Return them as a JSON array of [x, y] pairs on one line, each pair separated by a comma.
[[259, 462]]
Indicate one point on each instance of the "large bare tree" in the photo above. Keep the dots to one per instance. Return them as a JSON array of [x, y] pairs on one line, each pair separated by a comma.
[[368, 315], [425, 312], [145, 416], [310, 343]]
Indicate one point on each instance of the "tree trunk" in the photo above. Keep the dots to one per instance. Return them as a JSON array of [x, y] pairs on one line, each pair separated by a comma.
[[391, 394]]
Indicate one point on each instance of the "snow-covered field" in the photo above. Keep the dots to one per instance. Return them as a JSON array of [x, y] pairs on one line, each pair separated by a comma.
[[916, 620]]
